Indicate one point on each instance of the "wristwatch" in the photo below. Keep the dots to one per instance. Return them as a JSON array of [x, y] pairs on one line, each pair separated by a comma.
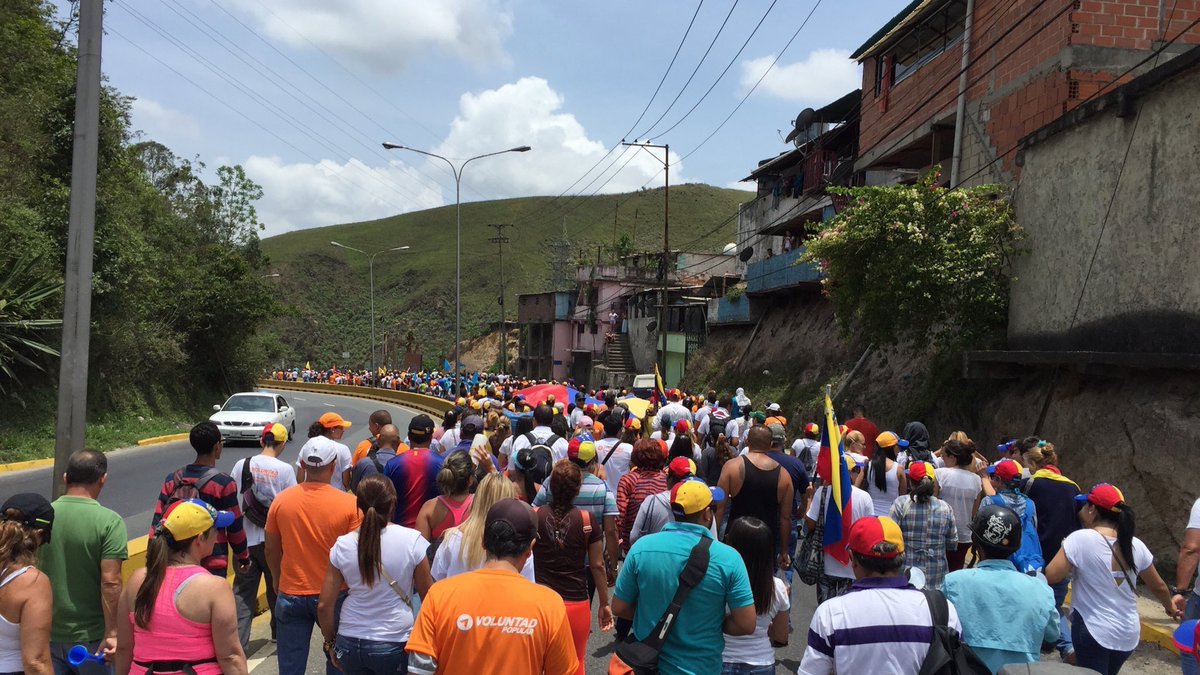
[[1179, 591]]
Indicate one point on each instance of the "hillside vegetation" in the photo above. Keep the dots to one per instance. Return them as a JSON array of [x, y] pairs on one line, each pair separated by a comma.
[[327, 287]]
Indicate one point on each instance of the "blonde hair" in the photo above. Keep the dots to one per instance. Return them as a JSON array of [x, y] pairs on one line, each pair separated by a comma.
[[493, 488], [1041, 455], [854, 436]]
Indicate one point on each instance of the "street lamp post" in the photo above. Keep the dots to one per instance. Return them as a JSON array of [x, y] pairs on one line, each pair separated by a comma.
[[371, 274], [457, 170]]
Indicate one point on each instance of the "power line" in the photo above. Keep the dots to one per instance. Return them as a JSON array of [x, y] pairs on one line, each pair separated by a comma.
[[668, 70]]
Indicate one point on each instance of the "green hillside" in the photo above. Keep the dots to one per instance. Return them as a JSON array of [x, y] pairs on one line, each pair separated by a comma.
[[414, 290]]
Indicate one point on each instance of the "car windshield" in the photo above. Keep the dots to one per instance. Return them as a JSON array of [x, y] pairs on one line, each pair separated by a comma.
[[249, 404]]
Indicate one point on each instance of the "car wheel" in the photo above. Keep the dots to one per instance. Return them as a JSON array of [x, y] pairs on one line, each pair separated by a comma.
[[292, 431]]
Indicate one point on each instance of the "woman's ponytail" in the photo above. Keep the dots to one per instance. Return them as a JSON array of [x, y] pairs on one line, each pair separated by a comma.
[[377, 500], [158, 556], [1125, 532]]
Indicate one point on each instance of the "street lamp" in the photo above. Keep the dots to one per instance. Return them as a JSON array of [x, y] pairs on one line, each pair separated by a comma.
[[371, 273], [457, 170]]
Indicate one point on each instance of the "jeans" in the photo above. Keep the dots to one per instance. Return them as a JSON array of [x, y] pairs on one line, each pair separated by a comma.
[[746, 669], [1187, 662], [1063, 644], [1090, 654], [58, 657], [371, 657], [295, 617], [245, 594]]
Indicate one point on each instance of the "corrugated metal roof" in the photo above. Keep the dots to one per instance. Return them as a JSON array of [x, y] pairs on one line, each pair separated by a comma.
[[903, 20]]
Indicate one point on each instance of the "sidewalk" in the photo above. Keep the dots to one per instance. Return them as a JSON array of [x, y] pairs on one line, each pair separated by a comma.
[[1157, 628]]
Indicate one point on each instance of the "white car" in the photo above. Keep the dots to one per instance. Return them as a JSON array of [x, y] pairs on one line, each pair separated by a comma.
[[244, 415]]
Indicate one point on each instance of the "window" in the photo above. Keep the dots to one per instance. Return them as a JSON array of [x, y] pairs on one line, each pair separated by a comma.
[[280, 403], [921, 43]]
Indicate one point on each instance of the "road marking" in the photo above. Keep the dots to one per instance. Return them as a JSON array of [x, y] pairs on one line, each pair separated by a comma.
[[299, 399], [331, 405]]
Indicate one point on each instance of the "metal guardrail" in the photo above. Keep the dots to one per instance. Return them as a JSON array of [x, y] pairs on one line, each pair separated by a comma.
[[427, 404]]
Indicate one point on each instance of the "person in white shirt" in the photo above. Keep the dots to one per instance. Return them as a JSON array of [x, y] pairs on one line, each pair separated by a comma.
[[612, 454], [755, 653], [673, 411], [461, 549], [270, 476], [857, 632], [1185, 598], [837, 577], [543, 415], [808, 448], [328, 431], [961, 486]]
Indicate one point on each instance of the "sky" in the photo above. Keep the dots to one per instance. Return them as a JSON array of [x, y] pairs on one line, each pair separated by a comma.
[[302, 93]]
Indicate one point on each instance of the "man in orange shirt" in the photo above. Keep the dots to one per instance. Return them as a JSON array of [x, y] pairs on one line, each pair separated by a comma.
[[494, 621], [302, 525], [375, 422]]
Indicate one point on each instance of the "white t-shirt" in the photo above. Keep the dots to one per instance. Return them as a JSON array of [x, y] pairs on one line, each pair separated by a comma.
[[505, 450], [557, 451], [448, 440], [1194, 524], [447, 562], [373, 611], [341, 464], [271, 476], [959, 489], [813, 446], [755, 649], [618, 464], [1102, 595], [860, 506]]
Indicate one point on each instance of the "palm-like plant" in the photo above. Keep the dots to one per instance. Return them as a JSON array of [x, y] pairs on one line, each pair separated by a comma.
[[22, 297]]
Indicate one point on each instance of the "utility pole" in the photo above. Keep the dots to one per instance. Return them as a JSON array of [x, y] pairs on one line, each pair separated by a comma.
[[500, 240], [666, 252], [70, 426]]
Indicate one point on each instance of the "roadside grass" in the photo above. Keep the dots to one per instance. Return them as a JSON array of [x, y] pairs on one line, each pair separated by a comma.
[[37, 441]]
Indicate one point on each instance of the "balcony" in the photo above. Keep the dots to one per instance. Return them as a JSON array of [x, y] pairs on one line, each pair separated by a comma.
[[780, 272], [726, 312], [768, 211]]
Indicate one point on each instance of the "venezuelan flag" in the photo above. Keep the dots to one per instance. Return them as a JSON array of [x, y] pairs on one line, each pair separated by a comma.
[[837, 510], [660, 389]]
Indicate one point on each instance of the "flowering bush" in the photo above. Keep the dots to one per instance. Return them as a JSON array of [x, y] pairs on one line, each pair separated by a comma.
[[919, 261]]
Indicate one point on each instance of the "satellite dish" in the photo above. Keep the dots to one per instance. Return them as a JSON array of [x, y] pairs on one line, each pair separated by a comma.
[[800, 133], [747, 254], [730, 249], [653, 325]]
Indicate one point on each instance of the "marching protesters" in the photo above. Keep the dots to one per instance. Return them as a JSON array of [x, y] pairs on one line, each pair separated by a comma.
[[859, 422], [883, 478], [543, 434], [651, 574], [303, 524], [857, 632], [378, 419], [615, 455], [414, 473], [960, 487], [26, 521], [385, 446], [927, 523], [1006, 615], [836, 578], [448, 637], [568, 547], [1105, 561], [800, 482], [754, 654], [758, 486], [521, 471], [455, 480], [1006, 480], [1053, 495], [202, 480], [594, 497], [83, 562], [462, 548], [268, 476], [656, 510], [808, 447], [635, 487], [374, 623], [174, 616], [331, 426]]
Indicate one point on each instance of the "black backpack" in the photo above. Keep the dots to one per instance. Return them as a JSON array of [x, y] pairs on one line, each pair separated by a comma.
[[543, 456], [254, 504], [948, 654], [190, 488], [716, 427]]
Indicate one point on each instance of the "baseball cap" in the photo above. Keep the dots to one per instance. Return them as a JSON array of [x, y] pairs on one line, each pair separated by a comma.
[[758, 416], [1005, 470], [811, 428], [188, 518], [584, 422], [1105, 496], [331, 420], [420, 427], [582, 449], [472, 424], [277, 430], [693, 496], [778, 435], [682, 427], [319, 451], [773, 407], [524, 459], [36, 512], [517, 514], [887, 439], [682, 467], [919, 471], [868, 533]]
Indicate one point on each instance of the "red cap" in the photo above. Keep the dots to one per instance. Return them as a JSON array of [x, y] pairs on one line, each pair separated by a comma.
[[681, 427], [868, 532], [1006, 470], [1105, 496], [811, 428], [682, 467]]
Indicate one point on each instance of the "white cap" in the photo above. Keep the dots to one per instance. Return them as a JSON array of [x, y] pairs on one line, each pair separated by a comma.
[[319, 451], [774, 407]]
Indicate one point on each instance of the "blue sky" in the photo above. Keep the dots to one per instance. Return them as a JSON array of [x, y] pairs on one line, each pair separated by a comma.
[[302, 92]]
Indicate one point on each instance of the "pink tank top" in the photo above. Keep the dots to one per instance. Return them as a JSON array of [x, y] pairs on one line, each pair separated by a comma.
[[171, 636], [452, 519]]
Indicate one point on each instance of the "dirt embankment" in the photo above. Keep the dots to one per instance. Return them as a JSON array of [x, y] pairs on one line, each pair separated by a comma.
[[483, 353]]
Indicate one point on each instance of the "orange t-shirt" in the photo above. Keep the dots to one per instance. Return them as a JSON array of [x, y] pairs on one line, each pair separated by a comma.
[[309, 518], [364, 447], [494, 622]]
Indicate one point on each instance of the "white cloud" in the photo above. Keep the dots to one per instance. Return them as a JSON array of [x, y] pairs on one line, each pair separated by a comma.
[[298, 196], [530, 112], [387, 34], [825, 75], [163, 124]]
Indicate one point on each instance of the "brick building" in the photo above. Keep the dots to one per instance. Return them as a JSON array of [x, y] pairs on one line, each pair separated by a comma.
[[1029, 61]]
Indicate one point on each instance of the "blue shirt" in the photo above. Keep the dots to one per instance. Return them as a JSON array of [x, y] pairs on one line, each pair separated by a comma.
[[1005, 615], [650, 578], [799, 474]]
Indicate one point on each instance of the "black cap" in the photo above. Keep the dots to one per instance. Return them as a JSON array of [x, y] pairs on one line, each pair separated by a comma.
[[472, 424], [420, 427], [36, 512], [517, 514]]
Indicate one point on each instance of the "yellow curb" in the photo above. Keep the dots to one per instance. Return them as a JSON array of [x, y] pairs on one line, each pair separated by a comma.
[[163, 439], [31, 464], [1160, 632]]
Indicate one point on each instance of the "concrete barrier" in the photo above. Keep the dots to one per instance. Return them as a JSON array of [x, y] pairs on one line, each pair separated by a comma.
[[430, 405]]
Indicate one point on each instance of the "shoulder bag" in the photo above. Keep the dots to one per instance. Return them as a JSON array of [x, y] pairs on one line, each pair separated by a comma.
[[948, 654], [640, 657], [810, 561]]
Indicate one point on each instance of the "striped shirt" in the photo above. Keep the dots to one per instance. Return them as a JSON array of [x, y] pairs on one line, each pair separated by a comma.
[[221, 493], [882, 626], [632, 492], [593, 496]]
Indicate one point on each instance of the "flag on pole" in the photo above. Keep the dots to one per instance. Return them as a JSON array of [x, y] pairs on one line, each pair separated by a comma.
[[837, 506], [659, 389], [307, 365]]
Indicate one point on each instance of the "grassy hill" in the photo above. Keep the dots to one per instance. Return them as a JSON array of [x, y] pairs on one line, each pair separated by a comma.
[[414, 290]]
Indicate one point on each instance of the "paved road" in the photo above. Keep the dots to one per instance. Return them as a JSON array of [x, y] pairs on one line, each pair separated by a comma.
[[135, 474]]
